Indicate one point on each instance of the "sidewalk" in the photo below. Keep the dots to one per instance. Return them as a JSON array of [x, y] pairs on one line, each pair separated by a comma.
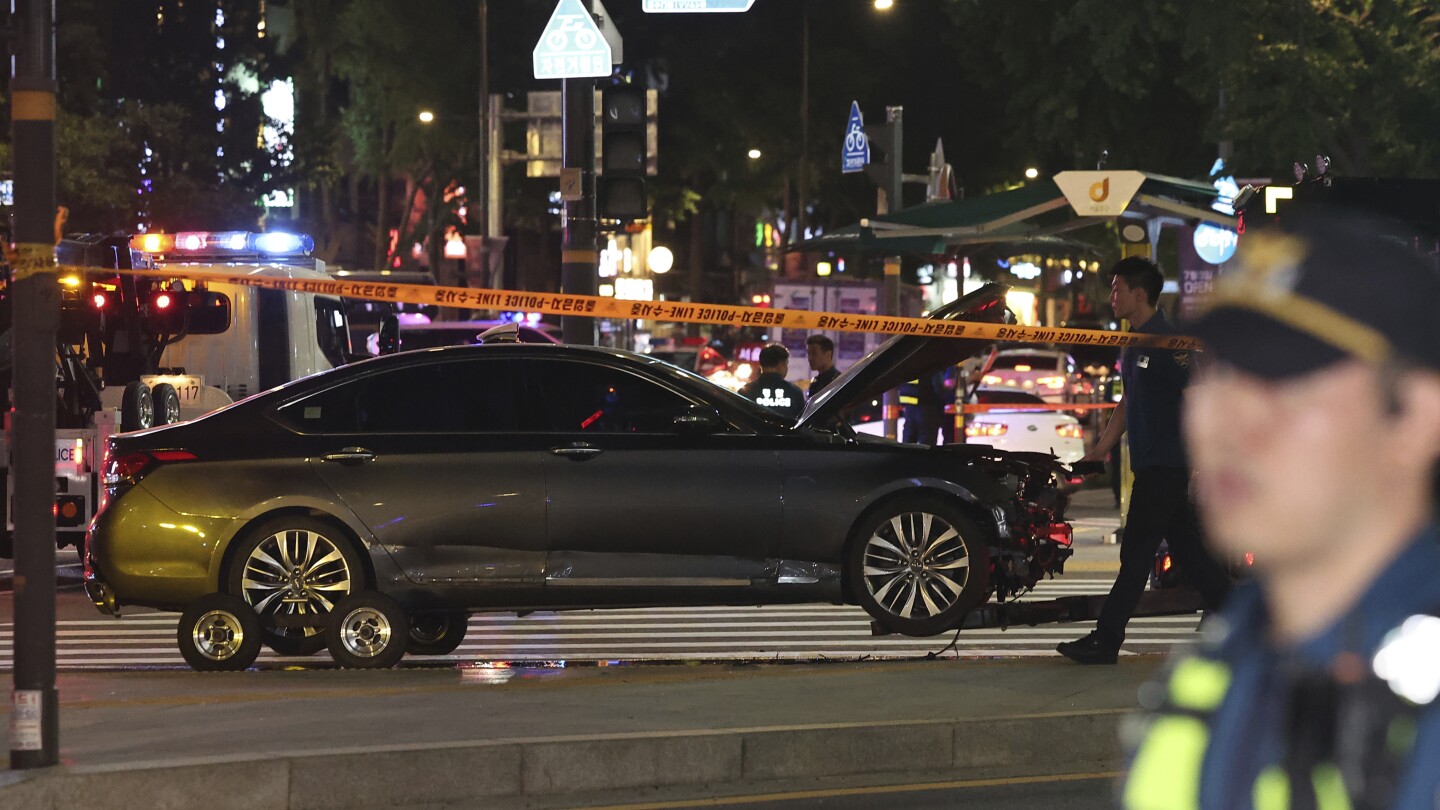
[[568, 737]]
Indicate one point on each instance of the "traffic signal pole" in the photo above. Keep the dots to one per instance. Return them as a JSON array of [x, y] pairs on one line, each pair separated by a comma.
[[34, 701], [580, 257], [890, 179]]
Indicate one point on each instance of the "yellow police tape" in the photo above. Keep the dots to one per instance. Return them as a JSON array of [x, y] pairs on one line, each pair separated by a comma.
[[597, 306]]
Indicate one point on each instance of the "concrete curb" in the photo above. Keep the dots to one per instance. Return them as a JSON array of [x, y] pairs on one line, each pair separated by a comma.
[[548, 769]]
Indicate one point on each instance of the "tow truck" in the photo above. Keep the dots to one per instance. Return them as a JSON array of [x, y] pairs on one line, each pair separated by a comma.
[[134, 351]]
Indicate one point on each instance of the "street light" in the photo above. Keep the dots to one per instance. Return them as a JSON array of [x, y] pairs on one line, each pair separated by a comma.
[[427, 117], [661, 259], [753, 154], [1032, 173], [884, 5]]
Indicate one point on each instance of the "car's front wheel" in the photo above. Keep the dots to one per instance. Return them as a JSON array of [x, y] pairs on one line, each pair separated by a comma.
[[293, 570], [918, 565]]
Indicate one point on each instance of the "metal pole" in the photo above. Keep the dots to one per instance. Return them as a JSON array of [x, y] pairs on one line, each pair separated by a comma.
[[890, 199], [34, 702], [482, 179], [804, 121], [494, 214], [578, 254]]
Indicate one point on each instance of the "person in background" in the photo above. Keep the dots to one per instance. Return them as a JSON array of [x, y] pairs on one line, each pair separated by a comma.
[[1314, 427], [1160, 507], [820, 353], [771, 389]]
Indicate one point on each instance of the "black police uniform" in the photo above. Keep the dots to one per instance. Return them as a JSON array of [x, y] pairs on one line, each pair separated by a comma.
[[823, 379], [1160, 507], [775, 392]]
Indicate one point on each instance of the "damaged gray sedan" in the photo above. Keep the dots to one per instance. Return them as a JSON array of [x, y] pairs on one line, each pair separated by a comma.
[[545, 477]]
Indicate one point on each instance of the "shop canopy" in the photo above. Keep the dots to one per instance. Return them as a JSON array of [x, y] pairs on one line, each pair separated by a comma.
[[1032, 215]]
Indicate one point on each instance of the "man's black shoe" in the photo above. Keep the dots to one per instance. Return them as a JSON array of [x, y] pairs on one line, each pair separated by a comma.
[[1088, 650]]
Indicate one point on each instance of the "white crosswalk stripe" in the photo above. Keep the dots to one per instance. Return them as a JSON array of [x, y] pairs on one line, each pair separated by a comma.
[[785, 632]]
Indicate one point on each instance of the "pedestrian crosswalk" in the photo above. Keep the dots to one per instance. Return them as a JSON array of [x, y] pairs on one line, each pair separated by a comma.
[[788, 632]]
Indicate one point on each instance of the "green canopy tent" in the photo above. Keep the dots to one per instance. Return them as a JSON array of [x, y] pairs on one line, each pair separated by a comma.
[[1032, 214]]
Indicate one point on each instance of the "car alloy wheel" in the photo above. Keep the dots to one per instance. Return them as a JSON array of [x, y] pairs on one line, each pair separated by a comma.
[[292, 571], [918, 567]]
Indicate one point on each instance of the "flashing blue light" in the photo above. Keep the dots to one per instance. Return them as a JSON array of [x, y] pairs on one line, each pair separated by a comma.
[[284, 243]]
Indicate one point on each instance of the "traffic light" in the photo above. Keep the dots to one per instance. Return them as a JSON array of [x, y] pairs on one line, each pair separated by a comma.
[[620, 188], [886, 171]]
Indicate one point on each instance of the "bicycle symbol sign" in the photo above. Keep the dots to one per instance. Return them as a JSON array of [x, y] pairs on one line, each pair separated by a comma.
[[857, 147], [571, 45]]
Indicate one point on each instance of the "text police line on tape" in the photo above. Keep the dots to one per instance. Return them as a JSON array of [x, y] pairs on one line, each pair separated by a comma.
[[680, 312]]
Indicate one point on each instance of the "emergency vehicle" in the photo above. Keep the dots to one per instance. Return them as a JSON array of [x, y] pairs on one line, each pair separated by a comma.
[[134, 352]]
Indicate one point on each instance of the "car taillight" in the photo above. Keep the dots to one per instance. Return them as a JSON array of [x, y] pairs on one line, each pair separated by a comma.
[[131, 467], [1070, 431], [986, 429], [1055, 383], [991, 379]]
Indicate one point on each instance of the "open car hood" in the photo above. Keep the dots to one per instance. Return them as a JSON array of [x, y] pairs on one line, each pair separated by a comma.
[[907, 357]]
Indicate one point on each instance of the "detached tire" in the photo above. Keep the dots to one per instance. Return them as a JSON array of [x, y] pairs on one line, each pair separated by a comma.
[[294, 565], [367, 630], [918, 565], [437, 632], [137, 407], [219, 633], [166, 402]]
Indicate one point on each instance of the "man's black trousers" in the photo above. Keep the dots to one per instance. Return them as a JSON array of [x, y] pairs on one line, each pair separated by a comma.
[[1160, 509]]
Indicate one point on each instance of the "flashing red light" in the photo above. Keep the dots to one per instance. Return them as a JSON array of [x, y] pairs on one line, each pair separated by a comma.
[[99, 300]]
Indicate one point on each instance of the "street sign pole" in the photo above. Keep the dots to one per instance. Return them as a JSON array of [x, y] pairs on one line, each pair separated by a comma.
[[579, 255], [889, 198], [34, 701]]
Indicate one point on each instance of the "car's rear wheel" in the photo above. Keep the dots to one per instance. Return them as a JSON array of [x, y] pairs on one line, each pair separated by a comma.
[[918, 565], [437, 632], [293, 570], [219, 632], [367, 630]]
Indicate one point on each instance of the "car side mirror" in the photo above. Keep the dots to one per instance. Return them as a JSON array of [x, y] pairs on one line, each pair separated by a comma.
[[388, 337], [699, 420]]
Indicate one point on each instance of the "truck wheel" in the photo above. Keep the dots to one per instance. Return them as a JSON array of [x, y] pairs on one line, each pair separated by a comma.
[[219, 632], [137, 409], [166, 403], [437, 632], [367, 630], [918, 565], [294, 565]]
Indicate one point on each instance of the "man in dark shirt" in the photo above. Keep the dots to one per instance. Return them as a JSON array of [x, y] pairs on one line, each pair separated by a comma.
[[820, 352], [771, 389], [1160, 507]]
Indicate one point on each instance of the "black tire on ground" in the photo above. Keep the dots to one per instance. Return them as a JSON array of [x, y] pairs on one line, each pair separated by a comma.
[[918, 565], [367, 630], [290, 541], [219, 632], [137, 408], [166, 403], [436, 632]]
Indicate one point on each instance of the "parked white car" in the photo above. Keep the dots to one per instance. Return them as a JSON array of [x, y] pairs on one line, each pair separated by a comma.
[[1015, 429], [1050, 374]]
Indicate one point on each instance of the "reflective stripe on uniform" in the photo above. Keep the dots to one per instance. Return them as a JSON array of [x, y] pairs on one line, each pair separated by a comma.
[[1272, 789], [1198, 684], [1166, 772]]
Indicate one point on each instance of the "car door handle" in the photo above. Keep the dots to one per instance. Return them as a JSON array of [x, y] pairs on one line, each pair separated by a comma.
[[350, 455], [577, 452]]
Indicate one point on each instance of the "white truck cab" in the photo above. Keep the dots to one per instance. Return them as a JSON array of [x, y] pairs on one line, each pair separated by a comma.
[[137, 351]]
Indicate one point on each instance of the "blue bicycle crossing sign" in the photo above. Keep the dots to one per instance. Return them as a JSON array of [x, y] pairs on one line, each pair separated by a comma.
[[571, 47], [856, 152]]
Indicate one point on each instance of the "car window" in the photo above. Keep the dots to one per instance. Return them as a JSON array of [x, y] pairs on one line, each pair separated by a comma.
[[1036, 362], [331, 331], [459, 396], [589, 398]]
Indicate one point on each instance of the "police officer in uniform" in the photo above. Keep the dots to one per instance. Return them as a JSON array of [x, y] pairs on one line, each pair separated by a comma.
[[1160, 507], [771, 389], [1314, 427]]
